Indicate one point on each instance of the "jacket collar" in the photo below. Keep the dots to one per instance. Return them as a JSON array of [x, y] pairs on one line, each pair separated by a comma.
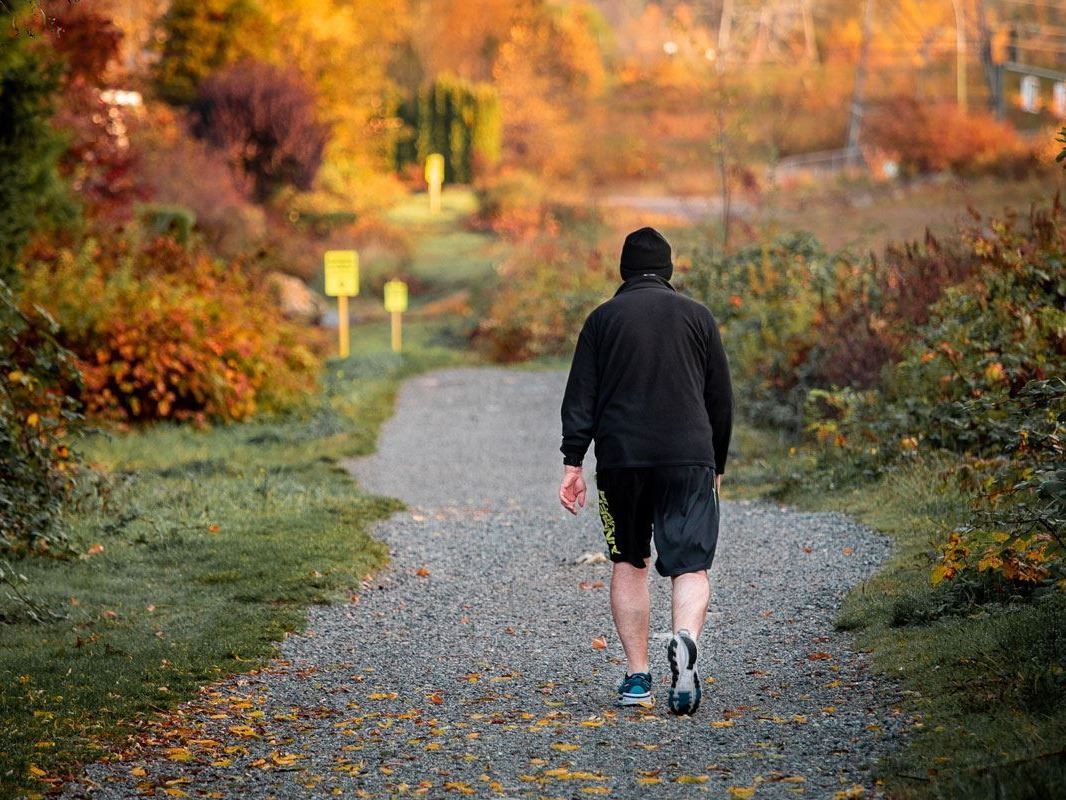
[[647, 281]]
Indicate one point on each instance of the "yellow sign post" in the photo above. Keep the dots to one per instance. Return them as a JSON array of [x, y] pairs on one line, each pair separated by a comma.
[[342, 282], [396, 304], [435, 179]]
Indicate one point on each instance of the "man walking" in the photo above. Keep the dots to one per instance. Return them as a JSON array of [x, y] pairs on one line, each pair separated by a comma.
[[650, 383]]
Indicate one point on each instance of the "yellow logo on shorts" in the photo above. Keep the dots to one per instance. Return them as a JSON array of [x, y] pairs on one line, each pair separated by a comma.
[[608, 525]]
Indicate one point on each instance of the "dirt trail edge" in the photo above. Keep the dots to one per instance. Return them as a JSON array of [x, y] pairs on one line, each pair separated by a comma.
[[475, 664]]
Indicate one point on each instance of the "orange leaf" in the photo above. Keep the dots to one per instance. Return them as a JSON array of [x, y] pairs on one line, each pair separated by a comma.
[[422, 572], [436, 699], [599, 643], [818, 656]]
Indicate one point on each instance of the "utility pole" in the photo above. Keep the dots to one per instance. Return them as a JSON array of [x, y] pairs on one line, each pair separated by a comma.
[[992, 72], [725, 30], [858, 98], [960, 56]]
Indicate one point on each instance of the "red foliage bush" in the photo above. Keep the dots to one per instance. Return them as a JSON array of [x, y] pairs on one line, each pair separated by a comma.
[[869, 310], [263, 119], [161, 332], [928, 138]]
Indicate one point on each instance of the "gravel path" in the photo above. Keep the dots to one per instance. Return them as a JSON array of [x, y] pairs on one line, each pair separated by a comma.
[[471, 665]]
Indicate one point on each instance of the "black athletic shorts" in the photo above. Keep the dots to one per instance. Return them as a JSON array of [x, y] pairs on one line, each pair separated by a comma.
[[678, 503]]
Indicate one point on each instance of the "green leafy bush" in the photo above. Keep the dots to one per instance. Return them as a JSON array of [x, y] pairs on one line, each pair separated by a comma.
[[38, 418], [546, 290], [982, 379]]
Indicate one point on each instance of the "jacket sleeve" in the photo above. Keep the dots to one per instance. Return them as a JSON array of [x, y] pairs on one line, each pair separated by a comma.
[[718, 397], [579, 400]]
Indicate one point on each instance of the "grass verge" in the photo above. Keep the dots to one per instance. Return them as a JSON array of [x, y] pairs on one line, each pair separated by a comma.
[[205, 550], [985, 681]]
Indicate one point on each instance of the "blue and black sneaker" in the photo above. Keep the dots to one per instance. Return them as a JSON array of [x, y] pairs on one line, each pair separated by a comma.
[[685, 692], [635, 690]]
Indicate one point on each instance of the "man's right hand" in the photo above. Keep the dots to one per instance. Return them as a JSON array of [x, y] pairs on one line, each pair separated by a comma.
[[572, 490], [718, 483]]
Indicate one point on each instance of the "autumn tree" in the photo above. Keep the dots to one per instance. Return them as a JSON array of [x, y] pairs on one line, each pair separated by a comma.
[[262, 118], [549, 73], [29, 149], [344, 50], [199, 37]]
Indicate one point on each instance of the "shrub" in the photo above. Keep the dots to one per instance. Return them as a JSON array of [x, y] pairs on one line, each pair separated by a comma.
[[547, 288], [981, 380], [162, 332], [263, 119], [937, 138], [764, 299], [38, 418], [217, 198]]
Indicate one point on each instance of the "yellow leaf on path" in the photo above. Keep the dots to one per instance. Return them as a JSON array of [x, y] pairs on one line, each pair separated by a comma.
[[742, 792], [458, 786], [691, 779], [40, 745], [242, 730], [178, 754], [829, 710], [138, 772], [565, 747], [649, 781], [799, 719], [175, 792], [36, 771], [433, 746], [382, 696], [853, 793], [595, 790], [722, 723]]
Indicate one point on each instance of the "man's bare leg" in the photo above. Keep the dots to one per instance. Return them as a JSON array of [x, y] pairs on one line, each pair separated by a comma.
[[631, 608], [691, 594]]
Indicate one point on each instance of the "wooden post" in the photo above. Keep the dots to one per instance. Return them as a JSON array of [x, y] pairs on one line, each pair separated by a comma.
[[397, 334], [858, 97], [961, 96], [342, 325]]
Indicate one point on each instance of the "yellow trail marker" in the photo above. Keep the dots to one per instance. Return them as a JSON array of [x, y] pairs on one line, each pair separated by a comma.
[[342, 282], [396, 304], [435, 179]]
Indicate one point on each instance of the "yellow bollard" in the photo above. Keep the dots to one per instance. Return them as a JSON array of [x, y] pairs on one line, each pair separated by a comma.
[[396, 304], [434, 179]]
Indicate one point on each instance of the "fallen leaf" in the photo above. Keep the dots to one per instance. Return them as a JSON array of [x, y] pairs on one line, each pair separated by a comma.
[[436, 699], [848, 551], [599, 643], [691, 779], [818, 655], [723, 723], [94, 550], [595, 790], [565, 746], [422, 572], [242, 730], [458, 786], [138, 772], [214, 528], [382, 696], [855, 791], [742, 792], [589, 585]]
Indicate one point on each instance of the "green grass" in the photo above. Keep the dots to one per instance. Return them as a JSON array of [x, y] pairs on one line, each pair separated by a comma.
[[985, 680], [214, 544], [448, 255]]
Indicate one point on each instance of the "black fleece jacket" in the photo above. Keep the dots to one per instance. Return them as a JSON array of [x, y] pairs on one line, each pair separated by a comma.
[[649, 382]]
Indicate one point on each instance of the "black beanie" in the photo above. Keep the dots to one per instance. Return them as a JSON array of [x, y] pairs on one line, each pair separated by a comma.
[[644, 251]]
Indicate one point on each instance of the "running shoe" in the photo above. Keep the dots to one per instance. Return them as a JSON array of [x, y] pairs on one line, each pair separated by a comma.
[[685, 691], [635, 690]]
